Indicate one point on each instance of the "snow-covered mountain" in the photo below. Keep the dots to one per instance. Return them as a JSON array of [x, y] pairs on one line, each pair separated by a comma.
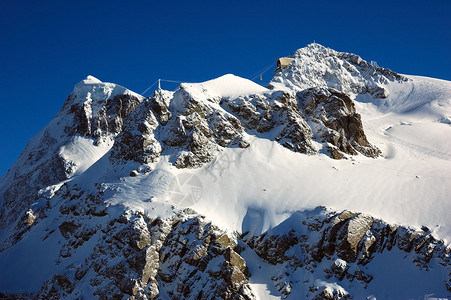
[[331, 182]]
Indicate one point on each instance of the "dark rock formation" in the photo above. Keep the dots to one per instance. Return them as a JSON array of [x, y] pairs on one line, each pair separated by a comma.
[[336, 122], [137, 140], [184, 256], [348, 241], [107, 121]]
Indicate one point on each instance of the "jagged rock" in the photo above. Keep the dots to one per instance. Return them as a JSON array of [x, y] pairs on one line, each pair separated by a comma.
[[108, 119], [316, 66], [200, 129], [59, 286], [336, 122], [67, 228], [254, 112], [160, 105], [332, 114], [339, 268], [22, 192], [236, 260], [273, 248], [137, 141], [332, 294], [223, 240], [192, 133], [185, 255], [350, 235], [354, 238], [30, 217], [296, 135]]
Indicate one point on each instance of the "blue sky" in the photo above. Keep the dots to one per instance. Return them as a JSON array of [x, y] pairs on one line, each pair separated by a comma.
[[46, 47]]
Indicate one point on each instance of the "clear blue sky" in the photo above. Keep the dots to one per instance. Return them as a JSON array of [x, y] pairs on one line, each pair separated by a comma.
[[48, 46]]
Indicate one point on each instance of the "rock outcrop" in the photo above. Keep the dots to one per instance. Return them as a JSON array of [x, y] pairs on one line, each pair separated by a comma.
[[193, 126], [182, 256], [342, 245]]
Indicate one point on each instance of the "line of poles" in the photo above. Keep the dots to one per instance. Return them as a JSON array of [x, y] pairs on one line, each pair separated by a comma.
[[252, 77]]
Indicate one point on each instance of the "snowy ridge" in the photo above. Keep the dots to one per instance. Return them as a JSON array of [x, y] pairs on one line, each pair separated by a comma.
[[80, 134], [318, 66], [231, 86], [230, 187], [93, 92]]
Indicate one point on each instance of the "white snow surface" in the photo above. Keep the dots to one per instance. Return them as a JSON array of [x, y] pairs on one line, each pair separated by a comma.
[[230, 86], [409, 185], [92, 88]]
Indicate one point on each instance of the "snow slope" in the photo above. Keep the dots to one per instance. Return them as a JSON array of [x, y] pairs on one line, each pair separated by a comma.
[[231, 86], [409, 185]]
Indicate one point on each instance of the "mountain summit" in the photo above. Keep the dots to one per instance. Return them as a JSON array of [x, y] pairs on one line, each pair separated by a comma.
[[309, 188], [318, 66]]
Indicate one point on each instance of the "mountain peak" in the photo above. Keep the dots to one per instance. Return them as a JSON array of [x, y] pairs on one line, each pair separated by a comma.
[[319, 66], [89, 80], [230, 85], [316, 47]]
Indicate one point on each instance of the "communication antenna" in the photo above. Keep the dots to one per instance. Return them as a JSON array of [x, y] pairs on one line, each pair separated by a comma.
[[159, 84], [261, 77]]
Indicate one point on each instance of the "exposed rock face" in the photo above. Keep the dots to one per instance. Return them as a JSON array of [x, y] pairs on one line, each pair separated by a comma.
[[345, 241], [137, 141], [279, 110], [200, 128], [160, 105], [33, 175], [107, 121], [182, 256], [201, 258], [193, 126], [336, 122], [324, 115]]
